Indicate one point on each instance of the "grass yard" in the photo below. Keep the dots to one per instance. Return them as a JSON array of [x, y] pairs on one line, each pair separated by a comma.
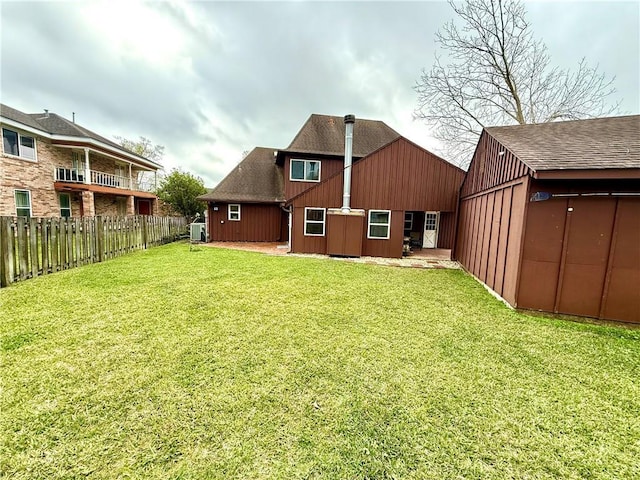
[[215, 363]]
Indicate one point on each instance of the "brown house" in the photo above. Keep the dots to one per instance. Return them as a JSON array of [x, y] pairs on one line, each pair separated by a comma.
[[51, 166], [549, 216], [248, 205], [400, 191]]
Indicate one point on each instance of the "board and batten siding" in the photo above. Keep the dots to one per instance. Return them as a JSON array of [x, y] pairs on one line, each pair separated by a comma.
[[490, 236], [258, 223], [328, 166], [576, 255], [400, 177], [492, 165], [581, 255]]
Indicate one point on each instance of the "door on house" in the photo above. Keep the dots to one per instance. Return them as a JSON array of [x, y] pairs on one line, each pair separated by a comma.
[[430, 237], [144, 207]]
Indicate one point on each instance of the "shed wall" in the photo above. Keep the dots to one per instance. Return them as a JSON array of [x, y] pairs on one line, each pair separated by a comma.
[[489, 236], [581, 255], [492, 165]]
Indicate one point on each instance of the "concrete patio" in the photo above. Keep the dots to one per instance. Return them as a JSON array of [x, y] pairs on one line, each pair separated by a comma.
[[424, 258]]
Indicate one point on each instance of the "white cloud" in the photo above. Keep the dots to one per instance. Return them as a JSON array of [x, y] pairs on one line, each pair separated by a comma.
[[210, 80]]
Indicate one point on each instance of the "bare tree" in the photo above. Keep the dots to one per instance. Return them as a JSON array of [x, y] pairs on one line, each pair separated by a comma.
[[496, 73], [143, 147]]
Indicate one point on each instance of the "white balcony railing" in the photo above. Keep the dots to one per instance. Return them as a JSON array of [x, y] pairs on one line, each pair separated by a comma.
[[71, 175]]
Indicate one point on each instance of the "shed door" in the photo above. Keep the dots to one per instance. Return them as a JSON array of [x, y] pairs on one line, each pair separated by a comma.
[[430, 237]]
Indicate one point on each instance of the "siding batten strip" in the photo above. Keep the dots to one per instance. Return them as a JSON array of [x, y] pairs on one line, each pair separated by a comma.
[[612, 249], [563, 256]]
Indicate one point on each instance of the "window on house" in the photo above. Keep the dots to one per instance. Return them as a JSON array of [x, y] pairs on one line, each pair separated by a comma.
[[314, 221], [77, 160], [408, 221], [234, 213], [379, 223], [23, 203], [65, 205], [14, 143], [305, 170]]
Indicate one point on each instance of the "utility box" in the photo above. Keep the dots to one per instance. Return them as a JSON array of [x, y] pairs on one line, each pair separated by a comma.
[[344, 232], [198, 232]]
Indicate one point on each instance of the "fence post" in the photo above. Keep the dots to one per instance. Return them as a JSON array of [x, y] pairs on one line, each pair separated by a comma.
[[33, 246], [23, 248], [55, 245], [100, 238], [143, 220], [7, 248], [44, 245]]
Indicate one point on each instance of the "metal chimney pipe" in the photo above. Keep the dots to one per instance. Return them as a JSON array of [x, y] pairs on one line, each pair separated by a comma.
[[46, 113], [349, 120]]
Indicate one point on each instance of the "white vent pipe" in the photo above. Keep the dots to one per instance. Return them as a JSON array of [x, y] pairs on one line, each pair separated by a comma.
[[349, 120]]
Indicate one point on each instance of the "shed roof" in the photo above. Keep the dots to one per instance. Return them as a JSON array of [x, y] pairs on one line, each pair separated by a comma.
[[256, 178], [324, 134], [55, 124], [598, 143]]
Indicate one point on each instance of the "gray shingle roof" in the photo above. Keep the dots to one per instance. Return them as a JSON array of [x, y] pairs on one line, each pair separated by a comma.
[[324, 134], [257, 178], [56, 125], [599, 143]]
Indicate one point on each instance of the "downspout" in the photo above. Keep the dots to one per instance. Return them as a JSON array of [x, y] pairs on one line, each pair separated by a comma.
[[349, 120]]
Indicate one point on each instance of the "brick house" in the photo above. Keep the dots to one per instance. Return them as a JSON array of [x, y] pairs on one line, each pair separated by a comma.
[[51, 166]]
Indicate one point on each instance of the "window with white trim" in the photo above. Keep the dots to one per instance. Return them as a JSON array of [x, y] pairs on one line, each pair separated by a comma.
[[234, 212], [408, 221], [314, 219], [65, 205], [14, 143], [304, 171], [23, 203], [379, 224]]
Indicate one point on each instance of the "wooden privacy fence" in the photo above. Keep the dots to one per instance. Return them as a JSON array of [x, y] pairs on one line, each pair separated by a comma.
[[37, 246]]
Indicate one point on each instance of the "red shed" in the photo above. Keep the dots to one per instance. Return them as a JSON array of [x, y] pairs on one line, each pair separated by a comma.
[[550, 216]]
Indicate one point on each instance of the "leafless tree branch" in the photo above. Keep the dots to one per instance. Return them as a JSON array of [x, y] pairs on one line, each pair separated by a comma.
[[495, 73]]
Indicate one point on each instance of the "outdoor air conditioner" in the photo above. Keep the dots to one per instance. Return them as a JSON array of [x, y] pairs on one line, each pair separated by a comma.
[[197, 232]]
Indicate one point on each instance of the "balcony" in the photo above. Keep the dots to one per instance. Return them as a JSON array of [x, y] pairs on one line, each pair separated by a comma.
[[72, 175]]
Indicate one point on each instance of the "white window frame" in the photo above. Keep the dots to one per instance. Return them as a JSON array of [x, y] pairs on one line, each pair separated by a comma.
[[20, 135], [16, 202], [410, 221], [387, 224], [305, 169], [231, 214], [323, 222], [60, 195]]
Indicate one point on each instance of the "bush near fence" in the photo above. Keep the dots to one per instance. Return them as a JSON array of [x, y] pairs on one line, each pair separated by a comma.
[[30, 247]]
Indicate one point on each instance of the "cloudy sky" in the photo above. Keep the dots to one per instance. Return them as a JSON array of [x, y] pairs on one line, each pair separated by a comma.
[[209, 80]]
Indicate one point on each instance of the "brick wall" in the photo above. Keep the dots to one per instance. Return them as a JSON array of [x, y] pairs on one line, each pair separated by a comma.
[[38, 177]]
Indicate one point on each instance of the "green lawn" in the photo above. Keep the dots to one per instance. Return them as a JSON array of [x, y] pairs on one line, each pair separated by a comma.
[[168, 363]]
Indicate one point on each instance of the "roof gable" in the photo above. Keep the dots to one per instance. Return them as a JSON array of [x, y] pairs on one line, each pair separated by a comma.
[[53, 124], [398, 176], [598, 143], [256, 179], [324, 134]]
